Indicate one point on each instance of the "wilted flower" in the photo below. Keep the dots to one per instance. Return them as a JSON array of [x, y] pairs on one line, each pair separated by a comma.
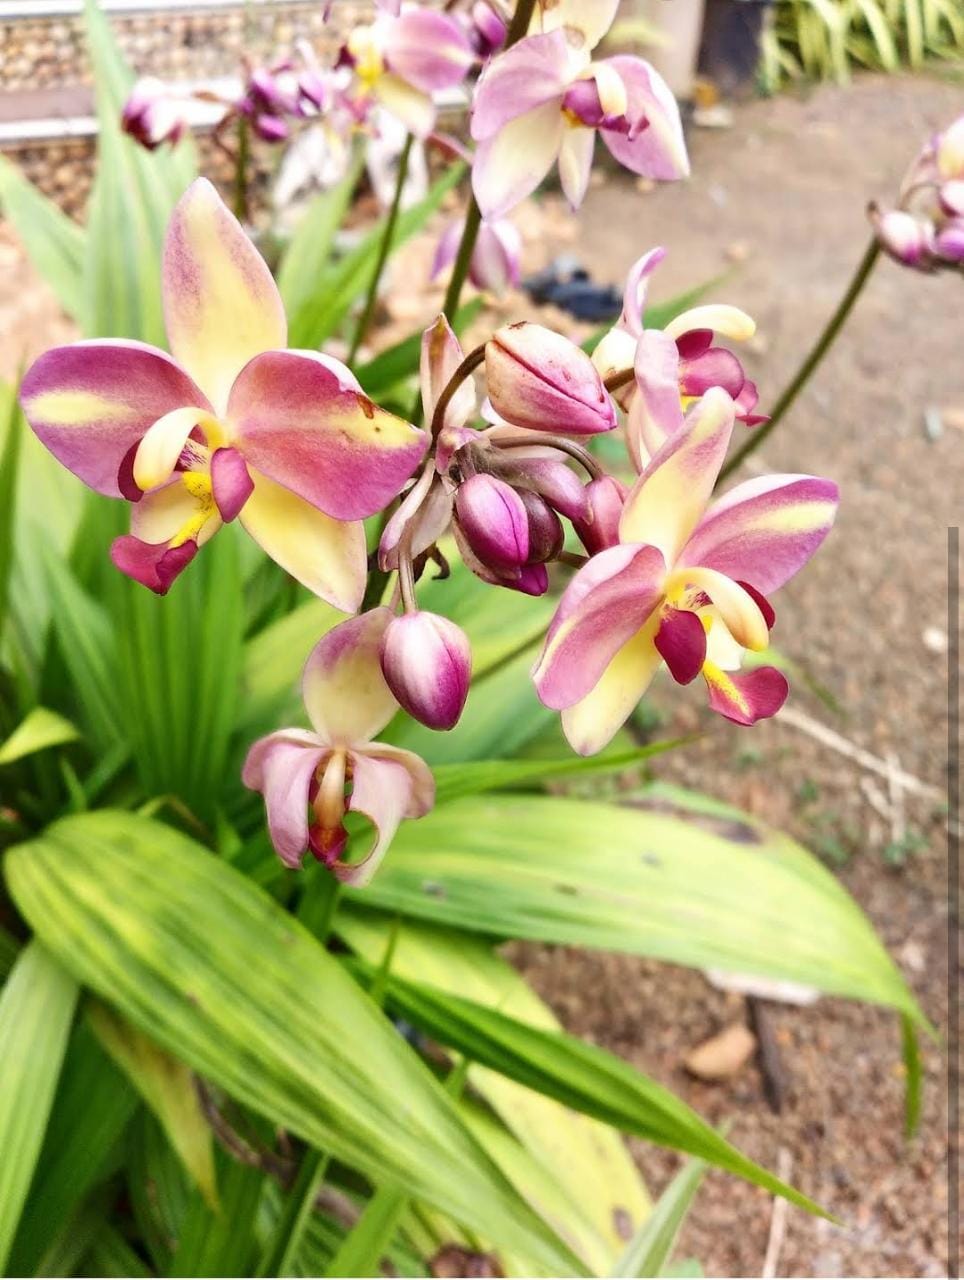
[[427, 663], [673, 366], [538, 379], [496, 256], [402, 60], [153, 114], [544, 100], [686, 585], [232, 426], [335, 768]]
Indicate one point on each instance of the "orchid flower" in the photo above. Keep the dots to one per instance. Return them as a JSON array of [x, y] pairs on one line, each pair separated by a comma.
[[673, 366], [230, 426], [544, 99], [686, 585], [404, 57], [495, 261], [335, 768], [153, 114]]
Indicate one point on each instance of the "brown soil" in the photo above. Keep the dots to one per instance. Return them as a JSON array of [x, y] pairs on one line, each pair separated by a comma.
[[778, 200]]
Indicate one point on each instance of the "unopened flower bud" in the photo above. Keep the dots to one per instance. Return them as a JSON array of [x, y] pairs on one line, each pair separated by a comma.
[[951, 196], [949, 244], [950, 150], [496, 257], [540, 380], [488, 30], [495, 522], [546, 534], [907, 239], [427, 664], [152, 115], [606, 497]]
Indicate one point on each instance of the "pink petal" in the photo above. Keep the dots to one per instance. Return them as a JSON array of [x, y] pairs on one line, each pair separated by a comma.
[[655, 414], [221, 305], [92, 402], [345, 693], [765, 530], [153, 565], [605, 604], [584, 21], [746, 698], [441, 355], [387, 786], [658, 150], [429, 50], [231, 481], [282, 767], [495, 262], [509, 165], [530, 74], [637, 284], [539, 379], [715, 367], [575, 162], [303, 424], [681, 641]]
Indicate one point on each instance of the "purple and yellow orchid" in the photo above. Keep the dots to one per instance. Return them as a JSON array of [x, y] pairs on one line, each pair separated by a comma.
[[230, 425], [686, 585], [673, 366], [544, 100], [335, 768]]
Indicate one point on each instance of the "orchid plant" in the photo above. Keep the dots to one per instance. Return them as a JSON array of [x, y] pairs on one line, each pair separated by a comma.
[[538, 532]]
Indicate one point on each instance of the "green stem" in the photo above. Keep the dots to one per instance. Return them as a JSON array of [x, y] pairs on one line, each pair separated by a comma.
[[383, 252], [281, 1253], [813, 359], [518, 27], [241, 162]]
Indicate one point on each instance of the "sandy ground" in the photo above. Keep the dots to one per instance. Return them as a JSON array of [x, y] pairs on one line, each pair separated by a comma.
[[778, 200]]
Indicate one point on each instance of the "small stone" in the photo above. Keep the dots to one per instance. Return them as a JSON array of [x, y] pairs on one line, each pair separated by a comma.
[[934, 640], [723, 1054]]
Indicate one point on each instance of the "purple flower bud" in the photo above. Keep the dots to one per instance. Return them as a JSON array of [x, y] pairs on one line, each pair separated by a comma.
[[488, 30], [606, 498], [951, 196], [152, 115], [546, 534], [494, 521], [950, 241], [909, 240], [427, 664], [540, 380]]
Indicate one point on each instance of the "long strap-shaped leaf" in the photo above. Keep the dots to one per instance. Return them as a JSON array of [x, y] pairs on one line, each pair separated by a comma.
[[36, 1009], [649, 1250], [219, 974]]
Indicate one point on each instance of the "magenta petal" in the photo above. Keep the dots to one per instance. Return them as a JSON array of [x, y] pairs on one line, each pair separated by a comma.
[[90, 403], [658, 149], [746, 697], [603, 607], [428, 50], [282, 767], [600, 529], [493, 519], [299, 418], [533, 580], [528, 75], [637, 283], [154, 565], [716, 367], [231, 482], [693, 343], [681, 641], [761, 602], [427, 664]]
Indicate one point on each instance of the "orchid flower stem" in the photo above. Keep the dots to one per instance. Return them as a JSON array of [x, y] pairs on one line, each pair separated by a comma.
[[406, 573], [241, 161], [518, 27], [539, 439], [572, 558], [468, 365], [383, 251], [621, 378], [815, 355]]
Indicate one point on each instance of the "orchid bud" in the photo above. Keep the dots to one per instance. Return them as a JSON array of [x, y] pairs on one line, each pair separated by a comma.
[[949, 244], [606, 497], [540, 380], [495, 522], [488, 31], [427, 664], [951, 196], [152, 115], [907, 239], [496, 257], [546, 534], [950, 150]]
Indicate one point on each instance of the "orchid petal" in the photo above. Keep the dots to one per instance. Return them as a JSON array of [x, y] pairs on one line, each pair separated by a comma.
[[715, 367], [509, 166], [282, 766], [717, 317], [92, 402], [764, 530], [153, 565], [741, 615], [604, 606], [428, 50], [637, 284], [327, 556], [584, 22], [161, 446], [414, 108], [575, 162], [221, 305], [180, 510], [299, 419], [658, 150], [441, 355], [386, 788], [681, 641], [531, 74], [345, 693], [231, 482], [655, 413], [495, 262], [614, 352], [747, 697], [668, 500], [597, 718], [429, 504]]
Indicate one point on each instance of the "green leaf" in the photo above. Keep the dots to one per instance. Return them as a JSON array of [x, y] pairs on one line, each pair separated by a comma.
[[288, 1233], [648, 1253], [914, 1075], [54, 244], [9, 470], [401, 361], [710, 889], [309, 250], [36, 1010], [216, 972], [110, 1255], [273, 661], [362, 1249], [167, 1086], [578, 1075], [158, 1189], [40, 729], [92, 1109], [221, 1243], [9, 950]]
